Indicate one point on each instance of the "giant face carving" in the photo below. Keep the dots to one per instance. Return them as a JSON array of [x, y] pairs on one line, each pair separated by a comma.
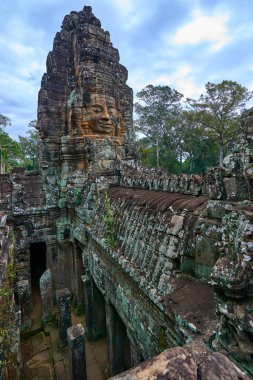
[[94, 114], [102, 115]]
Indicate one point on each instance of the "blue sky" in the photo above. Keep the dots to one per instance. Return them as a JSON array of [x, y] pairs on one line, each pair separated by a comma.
[[179, 43]]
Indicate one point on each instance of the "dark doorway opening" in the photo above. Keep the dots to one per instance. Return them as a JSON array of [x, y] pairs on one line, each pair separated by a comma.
[[95, 315], [78, 273], [37, 262], [120, 345], [123, 352]]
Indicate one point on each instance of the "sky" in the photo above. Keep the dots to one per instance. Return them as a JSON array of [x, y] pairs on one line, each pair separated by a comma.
[[179, 43]]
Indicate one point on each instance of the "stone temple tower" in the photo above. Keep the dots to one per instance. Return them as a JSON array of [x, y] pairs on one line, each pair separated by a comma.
[[84, 122], [85, 105]]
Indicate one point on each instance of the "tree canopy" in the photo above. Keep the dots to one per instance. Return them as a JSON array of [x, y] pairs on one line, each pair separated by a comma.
[[4, 121], [218, 110], [10, 153], [29, 146], [22, 153], [158, 114], [193, 136]]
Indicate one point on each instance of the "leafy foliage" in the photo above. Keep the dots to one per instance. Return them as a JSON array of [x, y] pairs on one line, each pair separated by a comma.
[[218, 111], [4, 121], [10, 152], [109, 222], [30, 147], [78, 196], [193, 138], [159, 115]]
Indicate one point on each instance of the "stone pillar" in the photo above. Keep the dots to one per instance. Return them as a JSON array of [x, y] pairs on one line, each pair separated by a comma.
[[46, 294], [88, 309], [63, 298], [94, 309], [15, 343], [116, 341], [77, 359], [51, 261], [24, 298]]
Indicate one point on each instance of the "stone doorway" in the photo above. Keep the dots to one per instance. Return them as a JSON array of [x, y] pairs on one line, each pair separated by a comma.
[[119, 347], [94, 309], [79, 272], [37, 268], [37, 262]]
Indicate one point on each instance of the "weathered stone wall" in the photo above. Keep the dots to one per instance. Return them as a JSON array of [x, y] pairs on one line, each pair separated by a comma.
[[20, 191], [232, 280], [148, 328], [10, 317], [217, 183], [23, 199], [158, 240]]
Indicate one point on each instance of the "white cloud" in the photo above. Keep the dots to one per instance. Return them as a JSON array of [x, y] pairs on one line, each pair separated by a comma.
[[203, 28], [181, 80], [126, 5], [187, 87], [19, 89], [132, 12], [21, 50]]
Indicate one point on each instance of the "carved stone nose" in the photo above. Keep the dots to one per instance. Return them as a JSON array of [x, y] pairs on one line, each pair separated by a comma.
[[105, 115]]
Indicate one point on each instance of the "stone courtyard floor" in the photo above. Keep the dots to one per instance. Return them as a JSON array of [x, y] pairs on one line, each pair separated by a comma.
[[43, 359]]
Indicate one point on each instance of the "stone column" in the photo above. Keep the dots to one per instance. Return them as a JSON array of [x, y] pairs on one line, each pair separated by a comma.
[[51, 262], [77, 359], [24, 298], [88, 309], [15, 343], [46, 294], [63, 298]]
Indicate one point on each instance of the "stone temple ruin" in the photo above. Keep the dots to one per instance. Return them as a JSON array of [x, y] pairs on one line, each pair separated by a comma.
[[161, 266]]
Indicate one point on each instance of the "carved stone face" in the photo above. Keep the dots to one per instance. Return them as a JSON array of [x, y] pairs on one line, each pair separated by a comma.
[[102, 114], [95, 115]]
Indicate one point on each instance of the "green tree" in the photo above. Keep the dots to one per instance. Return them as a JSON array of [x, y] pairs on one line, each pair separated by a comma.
[[159, 112], [218, 111], [199, 150], [4, 121], [10, 153], [30, 146]]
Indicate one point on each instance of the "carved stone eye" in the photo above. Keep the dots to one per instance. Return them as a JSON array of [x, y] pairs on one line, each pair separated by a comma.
[[112, 111], [97, 109]]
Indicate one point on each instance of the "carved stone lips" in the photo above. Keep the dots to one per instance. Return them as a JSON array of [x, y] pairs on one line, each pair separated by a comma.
[[105, 125], [100, 126]]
